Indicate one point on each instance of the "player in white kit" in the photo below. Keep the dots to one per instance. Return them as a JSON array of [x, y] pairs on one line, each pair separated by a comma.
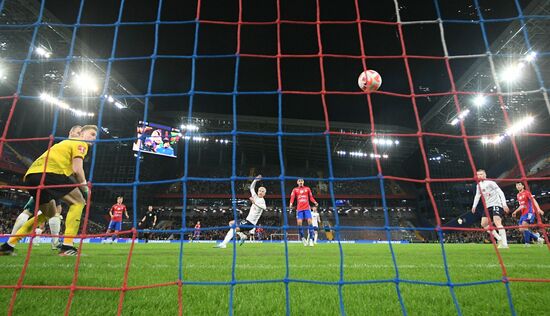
[[315, 221], [256, 210], [496, 204]]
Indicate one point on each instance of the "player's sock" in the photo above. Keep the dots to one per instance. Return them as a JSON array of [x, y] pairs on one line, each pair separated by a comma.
[[72, 223], [55, 228], [495, 234], [311, 232], [502, 234], [228, 237], [316, 234], [533, 236], [26, 228], [21, 219], [301, 231], [526, 237], [30, 205]]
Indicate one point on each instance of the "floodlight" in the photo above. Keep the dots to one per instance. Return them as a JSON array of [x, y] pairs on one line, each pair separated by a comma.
[[54, 101], [512, 73], [531, 57], [86, 82], [480, 100], [42, 52], [520, 125], [463, 114]]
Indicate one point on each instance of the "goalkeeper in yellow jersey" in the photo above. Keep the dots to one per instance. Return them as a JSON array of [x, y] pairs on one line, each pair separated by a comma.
[[28, 210], [65, 162]]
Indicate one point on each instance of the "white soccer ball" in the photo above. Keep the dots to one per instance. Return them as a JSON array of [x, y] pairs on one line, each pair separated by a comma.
[[459, 221], [369, 81]]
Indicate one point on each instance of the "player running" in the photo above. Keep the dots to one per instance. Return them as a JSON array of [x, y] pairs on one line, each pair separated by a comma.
[[526, 202], [496, 206], [303, 210], [256, 210], [64, 160], [116, 218]]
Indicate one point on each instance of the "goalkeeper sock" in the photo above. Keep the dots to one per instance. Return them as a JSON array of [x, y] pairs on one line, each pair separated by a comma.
[[72, 223], [21, 219], [526, 237], [55, 228], [228, 237], [26, 228]]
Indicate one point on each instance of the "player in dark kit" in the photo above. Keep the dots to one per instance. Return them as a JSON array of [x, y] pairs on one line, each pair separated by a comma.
[[148, 222]]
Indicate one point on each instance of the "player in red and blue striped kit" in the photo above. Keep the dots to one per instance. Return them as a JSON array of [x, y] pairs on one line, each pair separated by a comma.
[[116, 217], [303, 211], [527, 205]]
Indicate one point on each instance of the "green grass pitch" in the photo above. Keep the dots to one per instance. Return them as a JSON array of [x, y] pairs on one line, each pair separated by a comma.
[[103, 265]]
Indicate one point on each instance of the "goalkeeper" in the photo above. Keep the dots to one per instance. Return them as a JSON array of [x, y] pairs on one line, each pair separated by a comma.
[[28, 210], [59, 163]]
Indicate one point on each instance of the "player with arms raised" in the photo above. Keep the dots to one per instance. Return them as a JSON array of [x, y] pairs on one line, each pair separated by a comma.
[[116, 217], [526, 202], [256, 210], [303, 211], [496, 206]]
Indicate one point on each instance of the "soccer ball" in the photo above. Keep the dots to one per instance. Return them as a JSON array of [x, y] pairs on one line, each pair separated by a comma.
[[460, 221], [369, 81]]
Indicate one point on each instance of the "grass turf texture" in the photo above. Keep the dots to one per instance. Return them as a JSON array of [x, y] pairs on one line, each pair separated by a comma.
[[103, 265]]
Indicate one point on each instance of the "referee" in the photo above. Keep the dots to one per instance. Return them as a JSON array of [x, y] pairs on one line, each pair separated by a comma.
[[148, 222]]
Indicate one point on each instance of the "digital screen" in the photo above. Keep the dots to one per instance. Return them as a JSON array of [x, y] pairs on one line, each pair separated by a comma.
[[157, 139]]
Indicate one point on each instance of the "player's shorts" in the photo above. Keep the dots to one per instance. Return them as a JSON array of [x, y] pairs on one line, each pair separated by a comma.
[[196, 233], [244, 222], [528, 218], [305, 214], [49, 194], [494, 211], [115, 225], [315, 228]]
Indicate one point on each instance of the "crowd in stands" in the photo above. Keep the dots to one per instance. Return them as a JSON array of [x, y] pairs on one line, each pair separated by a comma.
[[366, 187]]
